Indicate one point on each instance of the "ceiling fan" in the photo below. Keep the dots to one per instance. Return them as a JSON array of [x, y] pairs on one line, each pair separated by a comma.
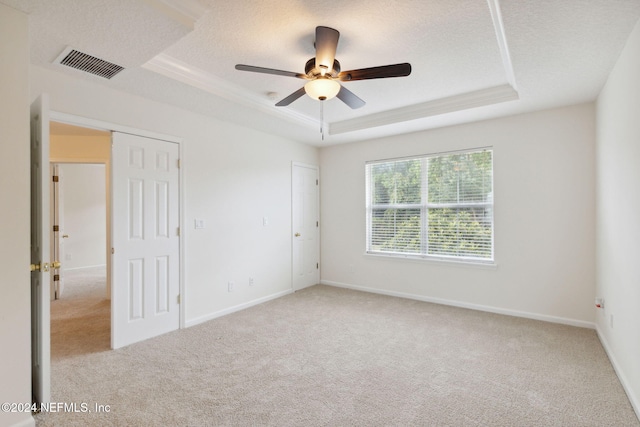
[[323, 73]]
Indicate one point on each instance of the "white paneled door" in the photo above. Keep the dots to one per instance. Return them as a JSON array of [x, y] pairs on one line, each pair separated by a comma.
[[146, 244], [305, 224]]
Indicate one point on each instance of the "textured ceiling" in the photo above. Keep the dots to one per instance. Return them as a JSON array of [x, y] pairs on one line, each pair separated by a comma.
[[471, 59]]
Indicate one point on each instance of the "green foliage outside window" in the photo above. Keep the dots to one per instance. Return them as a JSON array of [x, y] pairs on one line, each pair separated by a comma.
[[441, 205]]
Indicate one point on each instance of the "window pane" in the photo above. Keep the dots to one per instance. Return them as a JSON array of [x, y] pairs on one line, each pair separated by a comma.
[[396, 182], [464, 232], [395, 230], [460, 178]]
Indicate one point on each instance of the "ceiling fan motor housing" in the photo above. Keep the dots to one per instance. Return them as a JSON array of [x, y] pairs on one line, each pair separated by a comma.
[[312, 71]]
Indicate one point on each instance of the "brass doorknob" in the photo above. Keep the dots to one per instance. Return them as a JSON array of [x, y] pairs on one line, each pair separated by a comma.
[[56, 264], [65, 236], [297, 234]]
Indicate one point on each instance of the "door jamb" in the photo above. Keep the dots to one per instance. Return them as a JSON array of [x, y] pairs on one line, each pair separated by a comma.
[[107, 168]]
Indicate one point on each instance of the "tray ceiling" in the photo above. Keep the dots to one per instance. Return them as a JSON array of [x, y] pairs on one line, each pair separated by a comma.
[[471, 59]]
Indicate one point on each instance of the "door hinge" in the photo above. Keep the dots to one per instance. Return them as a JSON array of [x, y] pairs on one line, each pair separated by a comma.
[[178, 231], [317, 223], [317, 265], [56, 228], [178, 298], [113, 251], [316, 182], [178, 163], [55, 178]]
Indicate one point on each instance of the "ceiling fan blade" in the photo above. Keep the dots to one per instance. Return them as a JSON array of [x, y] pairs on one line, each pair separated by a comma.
[[384, 71], [289, 99], [326, 45], [350, 98], [263, 70]]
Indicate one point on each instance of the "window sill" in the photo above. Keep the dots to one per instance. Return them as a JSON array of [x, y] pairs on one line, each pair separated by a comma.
[[490, 265]]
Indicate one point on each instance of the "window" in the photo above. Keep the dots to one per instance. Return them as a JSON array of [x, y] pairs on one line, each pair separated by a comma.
[[436, 206]]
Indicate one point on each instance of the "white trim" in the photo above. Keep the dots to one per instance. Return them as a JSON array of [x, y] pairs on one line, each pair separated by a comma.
[[633, 399], [235, 308], [450, 104], [471, 306], [173, 68], [75, 120], [449, 261], [501, 38], [187, 12], [183, 234]]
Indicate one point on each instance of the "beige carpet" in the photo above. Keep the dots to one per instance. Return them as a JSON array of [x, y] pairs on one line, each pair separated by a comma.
[[333, 357]]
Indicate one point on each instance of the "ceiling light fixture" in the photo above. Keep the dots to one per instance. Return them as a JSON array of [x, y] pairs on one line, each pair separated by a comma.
[[322, 88]]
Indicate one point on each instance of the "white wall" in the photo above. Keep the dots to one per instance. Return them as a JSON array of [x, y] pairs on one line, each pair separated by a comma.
[[618, 225], [233, 177], [85, 215], [544, 218], [15, 303]]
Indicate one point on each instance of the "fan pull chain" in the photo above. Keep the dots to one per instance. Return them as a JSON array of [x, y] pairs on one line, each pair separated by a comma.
[[322, 119]]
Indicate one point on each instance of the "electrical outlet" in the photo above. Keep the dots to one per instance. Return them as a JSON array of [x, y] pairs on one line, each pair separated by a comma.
[[250, 281], [230, 286], [198, 224]]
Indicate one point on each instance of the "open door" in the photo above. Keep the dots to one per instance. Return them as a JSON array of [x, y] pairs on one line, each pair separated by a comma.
[[145, 294], [40, 252]]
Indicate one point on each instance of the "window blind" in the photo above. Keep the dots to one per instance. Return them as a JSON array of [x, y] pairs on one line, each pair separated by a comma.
[[432, 206]]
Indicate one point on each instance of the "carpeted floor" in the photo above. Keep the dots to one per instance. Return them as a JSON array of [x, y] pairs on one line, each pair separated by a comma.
[[333, 357]]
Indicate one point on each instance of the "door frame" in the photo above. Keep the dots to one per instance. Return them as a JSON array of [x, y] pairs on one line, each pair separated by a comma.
[[107, 177], [317, 169], [113, 127]]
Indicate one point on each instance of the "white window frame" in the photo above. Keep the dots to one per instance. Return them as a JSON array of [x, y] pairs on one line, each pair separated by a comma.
[[424, 207]]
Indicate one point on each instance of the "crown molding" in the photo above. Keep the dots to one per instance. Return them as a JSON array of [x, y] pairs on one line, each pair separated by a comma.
[[187, 12], [501, 38], [173, 68], [464, 101]]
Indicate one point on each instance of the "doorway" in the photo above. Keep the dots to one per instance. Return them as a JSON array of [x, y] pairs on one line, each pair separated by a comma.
[[80, 289], [42, 266]]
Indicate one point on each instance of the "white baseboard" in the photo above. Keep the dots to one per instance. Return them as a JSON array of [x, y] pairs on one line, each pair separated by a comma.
[[497, 310], [224, 312], [635, 402]]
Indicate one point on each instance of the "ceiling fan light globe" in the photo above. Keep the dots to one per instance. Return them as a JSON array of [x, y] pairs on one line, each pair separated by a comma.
[[322, 88]]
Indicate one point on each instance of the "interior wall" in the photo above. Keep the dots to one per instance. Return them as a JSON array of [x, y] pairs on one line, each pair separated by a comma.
[[618, 228], [15, 303], [88, 149], [233, 177], [85, 219], [544, 218]]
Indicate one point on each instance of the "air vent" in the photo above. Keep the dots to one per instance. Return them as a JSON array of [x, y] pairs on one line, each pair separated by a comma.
[[87, 63]]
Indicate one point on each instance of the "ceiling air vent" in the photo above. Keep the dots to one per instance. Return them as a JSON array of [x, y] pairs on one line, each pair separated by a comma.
[[87, 63]]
